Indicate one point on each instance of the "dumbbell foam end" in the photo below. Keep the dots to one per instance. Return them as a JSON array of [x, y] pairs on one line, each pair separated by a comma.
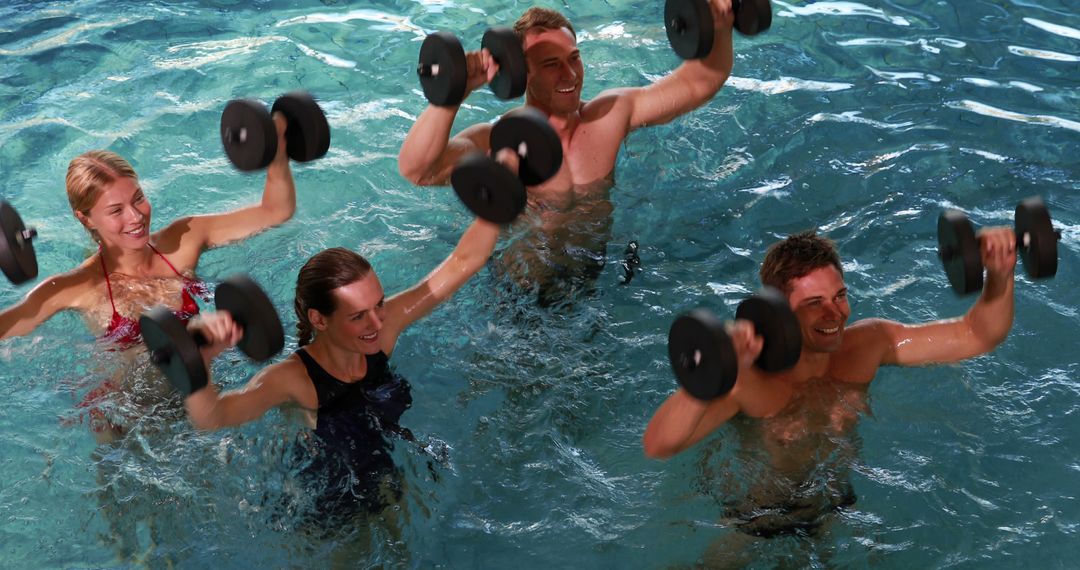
[[248, 134], [702, 356], [774, 320], [1035, 230], [174, 350], [17, 257]]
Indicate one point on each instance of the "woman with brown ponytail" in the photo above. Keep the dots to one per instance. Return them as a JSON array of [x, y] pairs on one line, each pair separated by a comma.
[[339, 378], [347, 330]]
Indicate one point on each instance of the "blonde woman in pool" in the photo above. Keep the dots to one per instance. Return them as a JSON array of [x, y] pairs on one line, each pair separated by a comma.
[[135, 268]]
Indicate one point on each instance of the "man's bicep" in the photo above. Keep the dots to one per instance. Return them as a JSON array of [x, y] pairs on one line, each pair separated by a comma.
[[682, 421], [472, 139], [661, 102], [717, 414], [936, 342], [635, 107]]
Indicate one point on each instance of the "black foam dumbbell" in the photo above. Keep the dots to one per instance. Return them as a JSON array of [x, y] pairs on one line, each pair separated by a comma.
[[1036, 243], [175, 350], [703, 356], [690, 24], [444, 73], [17, 258], [491, 191], [250, 137]]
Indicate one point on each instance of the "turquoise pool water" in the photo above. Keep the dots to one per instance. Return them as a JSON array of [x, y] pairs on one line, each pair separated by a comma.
[[862, 120]]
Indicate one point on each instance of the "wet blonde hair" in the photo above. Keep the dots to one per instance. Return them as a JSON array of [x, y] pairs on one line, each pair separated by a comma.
[[87, 176], [90, 172]]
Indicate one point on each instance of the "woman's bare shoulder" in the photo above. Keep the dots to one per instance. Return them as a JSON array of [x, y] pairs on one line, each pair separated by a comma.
[[290, 376], [74, 289]]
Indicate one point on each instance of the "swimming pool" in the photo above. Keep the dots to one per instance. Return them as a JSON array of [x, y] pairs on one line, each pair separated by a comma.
[[863, 120]]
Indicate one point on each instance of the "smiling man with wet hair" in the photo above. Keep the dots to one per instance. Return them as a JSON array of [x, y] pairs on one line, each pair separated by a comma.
[[573, 205], [807, 412]]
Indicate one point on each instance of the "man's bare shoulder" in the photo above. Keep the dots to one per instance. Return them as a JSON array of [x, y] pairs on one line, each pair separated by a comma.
[[478, 134], [477, 129], [869, 331], [603, 105], [866, 344], [759, 395]]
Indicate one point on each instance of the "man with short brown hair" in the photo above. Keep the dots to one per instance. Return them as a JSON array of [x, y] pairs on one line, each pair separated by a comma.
[[796, 256], [541, 18], [796, 415], [591, 131]]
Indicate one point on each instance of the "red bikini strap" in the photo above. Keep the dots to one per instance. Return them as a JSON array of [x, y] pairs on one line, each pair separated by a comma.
[[104, 270], [167, 262]]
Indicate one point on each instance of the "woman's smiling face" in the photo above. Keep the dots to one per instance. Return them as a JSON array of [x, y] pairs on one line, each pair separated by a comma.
[[121, 215]]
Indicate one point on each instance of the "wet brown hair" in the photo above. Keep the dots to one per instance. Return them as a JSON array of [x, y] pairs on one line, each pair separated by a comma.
[[325, 271], [796, 256], [543, 18]]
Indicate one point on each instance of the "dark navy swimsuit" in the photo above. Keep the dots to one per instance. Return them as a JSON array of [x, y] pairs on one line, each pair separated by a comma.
[[354, 420]]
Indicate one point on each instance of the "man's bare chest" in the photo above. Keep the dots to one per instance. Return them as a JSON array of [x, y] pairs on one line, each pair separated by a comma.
[[590, 154]]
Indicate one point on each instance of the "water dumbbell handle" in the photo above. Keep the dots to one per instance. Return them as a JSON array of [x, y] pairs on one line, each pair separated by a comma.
[[483, 193], [432, 69], [678, 24], [25, 236], [162, 355], [235, 135], [427, 70], [703, 355], [691, 360], [1023, 241]]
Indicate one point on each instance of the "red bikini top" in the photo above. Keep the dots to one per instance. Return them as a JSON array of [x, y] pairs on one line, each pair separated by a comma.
[[125, 332]]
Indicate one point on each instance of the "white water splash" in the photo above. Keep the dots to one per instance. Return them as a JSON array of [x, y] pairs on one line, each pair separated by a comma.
[[205, 53], [1043, 54], [328, 59], [854, 117], [838, 9], [726, 289], [927, 45], [983, 82], [985, 154], [1057, 29], [987, 110], [895, 77], [390, 22], [784, 85], [770, 187]]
